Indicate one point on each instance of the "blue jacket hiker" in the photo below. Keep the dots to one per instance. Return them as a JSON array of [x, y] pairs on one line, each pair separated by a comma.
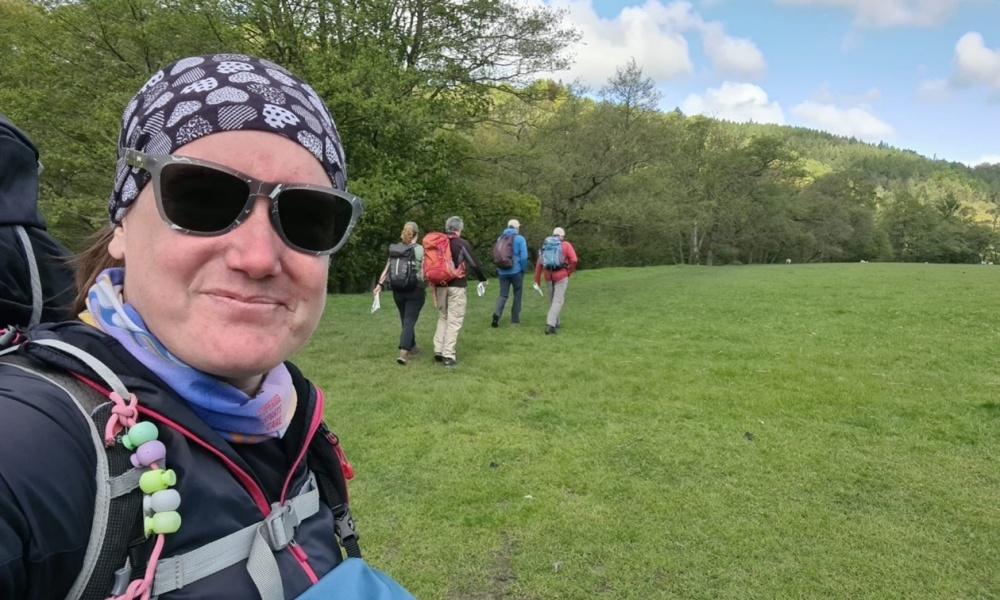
[[512, 276]]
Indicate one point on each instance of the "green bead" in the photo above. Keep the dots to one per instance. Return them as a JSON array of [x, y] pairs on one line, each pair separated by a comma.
[[163, 522], [139, 435], [153, 481]]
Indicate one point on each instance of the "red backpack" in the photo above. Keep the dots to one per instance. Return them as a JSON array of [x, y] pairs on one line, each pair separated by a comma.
[[439, 265]]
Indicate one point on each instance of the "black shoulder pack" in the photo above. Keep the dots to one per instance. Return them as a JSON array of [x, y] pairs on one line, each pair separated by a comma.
[[119, 548], [402, 275], [36, 281]]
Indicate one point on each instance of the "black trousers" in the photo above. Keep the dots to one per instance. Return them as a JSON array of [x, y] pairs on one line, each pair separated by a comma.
[[409, 305]]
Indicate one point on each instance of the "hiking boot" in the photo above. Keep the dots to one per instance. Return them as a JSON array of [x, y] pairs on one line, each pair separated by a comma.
[[403, 354], [450, 362], [496, 321], [414, 350], [550, 330], [438, 357]]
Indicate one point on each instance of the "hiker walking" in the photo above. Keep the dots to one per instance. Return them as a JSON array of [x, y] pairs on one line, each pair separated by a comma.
[[450, 290], [510, 255], [557, 260], [403, 273], [173, 387]]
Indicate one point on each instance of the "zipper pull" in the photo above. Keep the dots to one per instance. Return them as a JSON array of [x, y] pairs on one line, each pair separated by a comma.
[[331, 437]]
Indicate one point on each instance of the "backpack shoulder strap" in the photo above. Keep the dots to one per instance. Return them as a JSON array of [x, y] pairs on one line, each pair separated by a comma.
[[36, 280], [326, 460], [118, 546], [117, 503]]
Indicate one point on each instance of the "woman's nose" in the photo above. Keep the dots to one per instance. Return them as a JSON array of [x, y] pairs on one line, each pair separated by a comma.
[[254, 246]]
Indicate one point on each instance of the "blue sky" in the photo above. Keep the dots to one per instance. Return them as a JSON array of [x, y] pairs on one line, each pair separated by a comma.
[[917, 74]]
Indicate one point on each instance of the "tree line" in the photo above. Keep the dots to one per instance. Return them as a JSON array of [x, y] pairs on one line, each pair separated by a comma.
[[443, 110]]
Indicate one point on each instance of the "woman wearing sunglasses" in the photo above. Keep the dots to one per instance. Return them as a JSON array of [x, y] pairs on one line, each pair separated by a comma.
[[229, 202]]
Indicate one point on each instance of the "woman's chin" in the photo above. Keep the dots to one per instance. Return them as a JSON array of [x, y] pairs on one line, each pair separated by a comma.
[[237, 365]]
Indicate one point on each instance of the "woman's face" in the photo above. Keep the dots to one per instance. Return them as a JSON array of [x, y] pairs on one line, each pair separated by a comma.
[[234, 305]]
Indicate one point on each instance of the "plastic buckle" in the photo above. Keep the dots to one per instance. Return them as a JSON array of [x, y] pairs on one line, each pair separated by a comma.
[[123, 577], [279, 526], [8, 336], [343, 524]]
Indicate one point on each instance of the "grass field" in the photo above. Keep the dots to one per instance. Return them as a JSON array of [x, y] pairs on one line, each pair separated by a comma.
[[803, 431]]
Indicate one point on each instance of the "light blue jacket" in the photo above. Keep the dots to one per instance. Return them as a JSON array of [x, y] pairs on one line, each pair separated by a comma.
[[520, 254]]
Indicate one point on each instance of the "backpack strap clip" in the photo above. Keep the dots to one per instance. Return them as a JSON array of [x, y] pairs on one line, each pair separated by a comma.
[[343, 525], [279, 527], [11, 336]]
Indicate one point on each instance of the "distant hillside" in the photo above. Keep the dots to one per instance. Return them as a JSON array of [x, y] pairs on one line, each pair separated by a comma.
[[891, 169]]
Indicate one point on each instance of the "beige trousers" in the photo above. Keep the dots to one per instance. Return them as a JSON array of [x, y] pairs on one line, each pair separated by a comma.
[[451, 314], [557, 297]]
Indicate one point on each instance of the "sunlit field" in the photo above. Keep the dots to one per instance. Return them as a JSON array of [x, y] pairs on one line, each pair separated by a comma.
[[792, 431]]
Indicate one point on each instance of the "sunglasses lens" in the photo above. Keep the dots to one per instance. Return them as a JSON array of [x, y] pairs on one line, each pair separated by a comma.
[[201, 199], [314, 221]]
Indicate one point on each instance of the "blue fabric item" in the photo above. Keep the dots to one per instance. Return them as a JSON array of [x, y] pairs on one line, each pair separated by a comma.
[[353, 579], [520, 254]]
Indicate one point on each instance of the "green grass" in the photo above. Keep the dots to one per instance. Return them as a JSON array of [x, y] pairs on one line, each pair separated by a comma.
[[803, 431]]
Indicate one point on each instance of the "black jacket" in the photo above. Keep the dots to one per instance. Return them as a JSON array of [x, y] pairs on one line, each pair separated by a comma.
[[19, 206], [461, 252], [47, 489]]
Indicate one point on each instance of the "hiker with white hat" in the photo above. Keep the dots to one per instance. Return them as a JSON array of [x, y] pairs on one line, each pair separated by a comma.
[[557, 260], [510, 255]]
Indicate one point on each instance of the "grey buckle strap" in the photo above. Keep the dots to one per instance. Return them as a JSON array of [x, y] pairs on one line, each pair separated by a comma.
[[102, 501], [263, 569], [279, 527], [36, 281], [126, 482], [256, 544], [86, 358]]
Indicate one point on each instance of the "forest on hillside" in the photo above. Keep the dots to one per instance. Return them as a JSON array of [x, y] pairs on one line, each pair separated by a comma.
[[444, 109]]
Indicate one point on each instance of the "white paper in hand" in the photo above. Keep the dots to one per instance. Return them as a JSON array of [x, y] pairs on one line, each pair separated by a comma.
[[538, 289], [376, 304], [481, 288]]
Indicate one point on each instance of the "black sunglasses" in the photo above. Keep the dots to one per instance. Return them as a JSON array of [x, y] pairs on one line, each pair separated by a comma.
[[199, 197]]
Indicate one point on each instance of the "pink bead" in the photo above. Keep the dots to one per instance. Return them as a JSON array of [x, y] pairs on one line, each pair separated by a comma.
[[148, 453]]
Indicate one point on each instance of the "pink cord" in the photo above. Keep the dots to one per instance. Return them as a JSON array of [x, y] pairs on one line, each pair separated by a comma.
[[144, 587], [122, 415]]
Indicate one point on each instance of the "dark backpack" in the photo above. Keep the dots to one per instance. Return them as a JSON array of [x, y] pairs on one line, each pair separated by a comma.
[[36, 281], [503, 252], [118, 531], [552, 254], [402, 275]]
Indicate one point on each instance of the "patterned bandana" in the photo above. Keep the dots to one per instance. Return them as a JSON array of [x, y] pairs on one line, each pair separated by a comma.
[[234, 415], [202, 95]]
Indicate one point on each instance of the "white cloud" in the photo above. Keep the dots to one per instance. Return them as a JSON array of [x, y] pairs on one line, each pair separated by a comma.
[[740, 102], [892, 13], [933, 90], [732, 55], [856, 121], [990, 159], [825, 95], [655, 34], [975, 63], [650, 34]]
